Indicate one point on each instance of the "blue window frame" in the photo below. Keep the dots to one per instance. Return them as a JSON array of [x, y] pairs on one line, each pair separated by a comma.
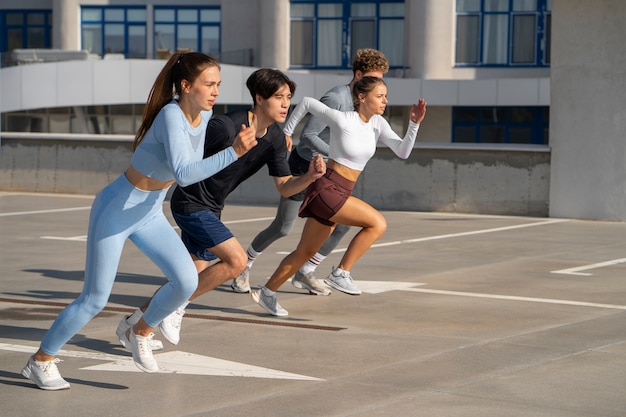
[[185, 27], [24, 29], [114, 30], [500, 125], [503, 33], [325, 34]]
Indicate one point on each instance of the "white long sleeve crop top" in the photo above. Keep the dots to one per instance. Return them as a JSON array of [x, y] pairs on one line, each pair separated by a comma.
[[352, 141]]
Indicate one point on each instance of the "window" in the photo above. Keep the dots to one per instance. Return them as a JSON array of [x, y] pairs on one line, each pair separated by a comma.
[[327, 33], [500, 125], [503, 32], [114, 30], [24, 29], [192, 28]]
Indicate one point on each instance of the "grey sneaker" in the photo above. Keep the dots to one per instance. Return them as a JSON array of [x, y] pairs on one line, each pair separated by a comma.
[[309, 282], [342, 281], [269, 303], [45, 374], [123, 327], [241, 284], [142, 354], [170, 326]]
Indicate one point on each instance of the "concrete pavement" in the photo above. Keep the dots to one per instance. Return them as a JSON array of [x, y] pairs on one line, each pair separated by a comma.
[[461, 315]]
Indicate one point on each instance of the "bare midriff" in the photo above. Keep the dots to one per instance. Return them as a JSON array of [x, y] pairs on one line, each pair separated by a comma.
[[344, 171], [145, 183]]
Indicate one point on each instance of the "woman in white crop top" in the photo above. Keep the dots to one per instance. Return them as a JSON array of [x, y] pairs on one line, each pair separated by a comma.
[[328, 201]]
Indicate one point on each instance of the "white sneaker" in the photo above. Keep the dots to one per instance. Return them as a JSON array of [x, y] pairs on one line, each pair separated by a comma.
[[123, 327], [170, 326], [241, 284], [342, 281], [45, 374], [142, 354], [269, 303], [309, 282]]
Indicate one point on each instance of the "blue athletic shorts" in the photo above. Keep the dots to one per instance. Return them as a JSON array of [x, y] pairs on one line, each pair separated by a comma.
[[201, 231]]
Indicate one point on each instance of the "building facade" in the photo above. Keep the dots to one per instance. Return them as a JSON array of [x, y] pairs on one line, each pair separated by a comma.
[[485, 67]]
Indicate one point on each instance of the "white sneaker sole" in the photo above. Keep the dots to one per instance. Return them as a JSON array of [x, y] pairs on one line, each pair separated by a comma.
[[342, 289], [312, 291]]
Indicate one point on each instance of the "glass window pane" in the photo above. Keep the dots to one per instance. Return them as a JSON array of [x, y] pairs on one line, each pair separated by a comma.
[[465, 134], [114, 15], [185, 15], [14, 19], [164, 15], [187, 37], [302, 10], [136, 15], [465, 115], [36, 38], [496, 5], [524, 30], [492, 114], [210, 15], [164, 37], [136, 41], [210, 39], [36, 19], [114, 39], [521, 115], [362, 35], [467, 40], [391, 10], [492, 134], [363, 10], [468, 5], [92, 38], [524, 5], [88, 14], [329, 43], [495, 37], [549, 5], [520, 135], [301, 43], [391, 41], [14, 39], [329, 10], [547, 39]]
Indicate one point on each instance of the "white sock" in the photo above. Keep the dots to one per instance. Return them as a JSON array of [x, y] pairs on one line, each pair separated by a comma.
[[267, 291], [134, 318], [252, 255], [311, 265]]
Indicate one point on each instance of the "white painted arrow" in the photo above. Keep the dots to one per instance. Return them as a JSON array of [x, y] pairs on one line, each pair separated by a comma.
[[175, 362]]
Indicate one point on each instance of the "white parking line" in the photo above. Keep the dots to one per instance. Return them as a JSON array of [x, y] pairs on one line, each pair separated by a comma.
[[22, 213], [576, 270], [452, 235]]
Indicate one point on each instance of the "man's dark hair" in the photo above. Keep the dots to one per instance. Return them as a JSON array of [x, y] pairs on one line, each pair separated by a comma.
[[266, 81]]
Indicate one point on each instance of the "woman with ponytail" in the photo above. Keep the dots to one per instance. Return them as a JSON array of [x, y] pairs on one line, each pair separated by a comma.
[[168, 148]]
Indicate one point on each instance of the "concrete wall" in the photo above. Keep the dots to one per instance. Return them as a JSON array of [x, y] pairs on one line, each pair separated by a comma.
[[588, 110], [467, 179]]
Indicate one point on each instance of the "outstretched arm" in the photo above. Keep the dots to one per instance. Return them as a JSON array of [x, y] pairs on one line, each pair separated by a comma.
[[403, 147], [316, 108]]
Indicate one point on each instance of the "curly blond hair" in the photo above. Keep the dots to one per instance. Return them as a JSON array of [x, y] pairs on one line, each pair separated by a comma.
[[368, 59]]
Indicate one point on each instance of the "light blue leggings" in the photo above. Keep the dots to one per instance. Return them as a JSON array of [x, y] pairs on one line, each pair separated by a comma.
[[121, 211]]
